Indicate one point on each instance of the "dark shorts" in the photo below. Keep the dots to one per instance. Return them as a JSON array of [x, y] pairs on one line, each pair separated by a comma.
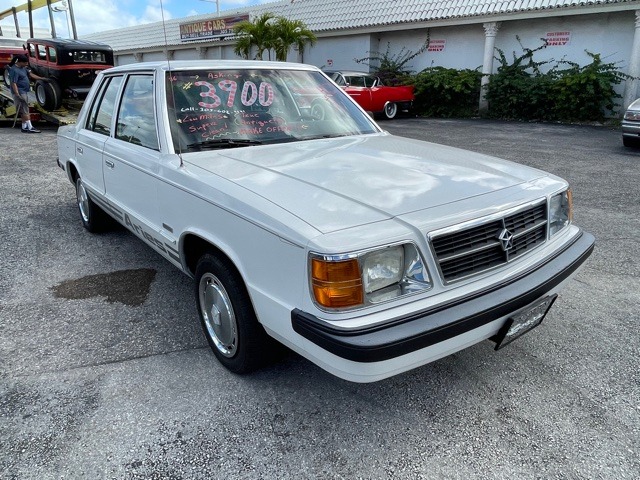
[[21, 103]]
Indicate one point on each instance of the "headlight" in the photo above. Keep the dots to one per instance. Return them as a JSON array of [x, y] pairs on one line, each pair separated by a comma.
[[368, 277], [560, 211], [632, 115]]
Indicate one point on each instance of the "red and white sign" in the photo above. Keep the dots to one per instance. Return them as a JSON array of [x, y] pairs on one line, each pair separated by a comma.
[[557, 39], [436, 45]]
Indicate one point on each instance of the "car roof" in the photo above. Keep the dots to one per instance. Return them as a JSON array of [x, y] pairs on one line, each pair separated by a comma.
[[69, 43], [209, 64]]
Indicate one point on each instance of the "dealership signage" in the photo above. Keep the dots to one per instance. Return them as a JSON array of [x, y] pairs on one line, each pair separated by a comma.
[[211, 28]]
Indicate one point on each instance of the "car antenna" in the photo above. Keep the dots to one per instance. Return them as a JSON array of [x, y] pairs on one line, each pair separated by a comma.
[[173, 98]]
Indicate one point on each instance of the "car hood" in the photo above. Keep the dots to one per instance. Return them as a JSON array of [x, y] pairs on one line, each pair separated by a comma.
[[333, 184]]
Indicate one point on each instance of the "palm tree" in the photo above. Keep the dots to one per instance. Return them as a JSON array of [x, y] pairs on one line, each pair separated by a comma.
[[288, 33], [258, 33]]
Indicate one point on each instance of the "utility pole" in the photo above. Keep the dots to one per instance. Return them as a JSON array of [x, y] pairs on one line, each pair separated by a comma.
[[217, 6]]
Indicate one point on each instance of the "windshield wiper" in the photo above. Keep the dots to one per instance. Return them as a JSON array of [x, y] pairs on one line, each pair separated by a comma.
[[326, 135], [223, 143]]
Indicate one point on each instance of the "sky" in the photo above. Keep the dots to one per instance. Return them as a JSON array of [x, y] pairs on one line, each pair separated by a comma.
[[100, 15]]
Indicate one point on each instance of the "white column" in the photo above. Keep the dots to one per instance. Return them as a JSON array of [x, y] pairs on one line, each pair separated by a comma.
[[490, 32], [202, 52], [631, 85]]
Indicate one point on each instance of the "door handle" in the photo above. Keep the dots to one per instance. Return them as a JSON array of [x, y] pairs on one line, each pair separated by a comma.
[[109, 163], [79, 150]]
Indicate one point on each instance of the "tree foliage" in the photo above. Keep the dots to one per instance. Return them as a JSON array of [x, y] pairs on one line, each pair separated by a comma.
[[393, 69], [270, 33], [258, 34]]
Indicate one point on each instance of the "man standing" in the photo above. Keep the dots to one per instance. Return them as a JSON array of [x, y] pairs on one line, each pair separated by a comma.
[[19, 76]]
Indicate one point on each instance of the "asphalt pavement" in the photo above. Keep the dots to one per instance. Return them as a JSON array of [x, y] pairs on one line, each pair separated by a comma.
[[104, 372]]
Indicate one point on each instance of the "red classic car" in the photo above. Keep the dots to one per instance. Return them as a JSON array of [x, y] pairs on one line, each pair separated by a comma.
[[8, 48], [372, 95]]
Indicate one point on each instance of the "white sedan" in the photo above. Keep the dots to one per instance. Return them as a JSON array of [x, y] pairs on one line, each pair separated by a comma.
[[367, 253]]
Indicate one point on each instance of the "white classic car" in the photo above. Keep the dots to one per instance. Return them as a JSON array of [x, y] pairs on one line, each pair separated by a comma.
[[367, 253]]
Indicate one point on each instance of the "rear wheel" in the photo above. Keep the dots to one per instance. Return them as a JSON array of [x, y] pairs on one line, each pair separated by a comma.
[[228, 320], [630, 141], [94, 219], [390, 110], [48, 94], [5, 76]]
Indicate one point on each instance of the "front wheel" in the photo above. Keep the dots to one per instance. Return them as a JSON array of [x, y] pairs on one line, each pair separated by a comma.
[[228, 320], [390, 110]]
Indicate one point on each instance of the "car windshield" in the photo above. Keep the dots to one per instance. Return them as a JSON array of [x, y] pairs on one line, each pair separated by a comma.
[[88, 56], [238, 108]]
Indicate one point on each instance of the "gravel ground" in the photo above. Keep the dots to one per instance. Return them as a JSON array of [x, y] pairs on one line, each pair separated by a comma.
[[99, 381]]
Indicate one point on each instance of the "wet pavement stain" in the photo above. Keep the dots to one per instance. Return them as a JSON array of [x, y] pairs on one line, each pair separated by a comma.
[[129, 287]]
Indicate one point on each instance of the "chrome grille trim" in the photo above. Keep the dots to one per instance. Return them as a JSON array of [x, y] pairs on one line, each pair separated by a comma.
[[472, 248]]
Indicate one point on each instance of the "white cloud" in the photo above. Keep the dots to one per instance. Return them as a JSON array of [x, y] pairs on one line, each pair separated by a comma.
[[98, 16]]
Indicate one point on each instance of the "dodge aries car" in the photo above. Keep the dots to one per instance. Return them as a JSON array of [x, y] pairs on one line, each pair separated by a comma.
[[367, 253]]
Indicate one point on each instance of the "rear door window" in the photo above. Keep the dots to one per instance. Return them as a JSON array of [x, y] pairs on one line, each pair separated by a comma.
[[136, 118], [53, 57], [42, 52]]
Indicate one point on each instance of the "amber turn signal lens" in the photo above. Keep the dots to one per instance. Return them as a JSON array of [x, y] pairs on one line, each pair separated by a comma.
[[336, 284]]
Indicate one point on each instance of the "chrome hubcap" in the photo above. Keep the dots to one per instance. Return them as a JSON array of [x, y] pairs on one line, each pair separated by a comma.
[[40, 93], [83, 201], [218, 314], [390, 109]]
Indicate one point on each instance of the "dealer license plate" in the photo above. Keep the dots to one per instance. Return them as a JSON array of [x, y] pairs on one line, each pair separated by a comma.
[[524, 321]]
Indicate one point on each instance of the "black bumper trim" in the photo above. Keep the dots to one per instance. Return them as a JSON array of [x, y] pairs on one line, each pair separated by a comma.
[[423, 329]]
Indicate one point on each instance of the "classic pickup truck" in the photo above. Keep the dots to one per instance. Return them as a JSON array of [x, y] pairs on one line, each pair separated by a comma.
[[367, 253], [372, 95]]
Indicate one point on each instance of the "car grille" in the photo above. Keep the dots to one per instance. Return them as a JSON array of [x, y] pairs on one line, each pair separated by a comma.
[[476, 249]]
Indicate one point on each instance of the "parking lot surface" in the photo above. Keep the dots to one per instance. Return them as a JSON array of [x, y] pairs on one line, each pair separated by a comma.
[[104, 372]]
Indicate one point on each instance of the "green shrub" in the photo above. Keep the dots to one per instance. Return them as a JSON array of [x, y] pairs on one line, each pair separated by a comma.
[[519, 90], [585, 93], [567, 92], [447, 92]]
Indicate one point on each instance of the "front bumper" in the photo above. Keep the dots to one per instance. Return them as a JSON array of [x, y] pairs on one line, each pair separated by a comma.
[[630, 129], [441, 323]]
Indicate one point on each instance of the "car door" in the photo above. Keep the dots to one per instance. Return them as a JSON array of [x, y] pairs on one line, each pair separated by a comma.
[[91, 138], [357, 90], [131, 156]]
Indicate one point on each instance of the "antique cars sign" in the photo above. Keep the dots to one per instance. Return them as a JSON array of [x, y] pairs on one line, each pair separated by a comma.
[[210, 28], [305, 224]]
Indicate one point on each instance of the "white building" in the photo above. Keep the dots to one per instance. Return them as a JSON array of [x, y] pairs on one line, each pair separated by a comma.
[[463, 33]]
